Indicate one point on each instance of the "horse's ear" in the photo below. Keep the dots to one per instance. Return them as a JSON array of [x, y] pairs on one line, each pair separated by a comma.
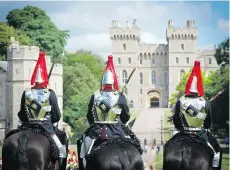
[[131, 123]]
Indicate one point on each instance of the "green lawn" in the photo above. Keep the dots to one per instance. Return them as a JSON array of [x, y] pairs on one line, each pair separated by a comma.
[[158, 162]]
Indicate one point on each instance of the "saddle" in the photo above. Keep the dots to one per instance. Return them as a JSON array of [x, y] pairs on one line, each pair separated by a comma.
[[39, 129]]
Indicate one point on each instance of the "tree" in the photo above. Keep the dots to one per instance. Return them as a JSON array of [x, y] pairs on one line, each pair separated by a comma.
[[94, 62], [222, 53], [38, 26], [6, 32]]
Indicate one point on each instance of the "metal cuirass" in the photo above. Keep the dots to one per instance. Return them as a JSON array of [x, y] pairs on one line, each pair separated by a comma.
[[193, 110], [37, 103], [106, 109]]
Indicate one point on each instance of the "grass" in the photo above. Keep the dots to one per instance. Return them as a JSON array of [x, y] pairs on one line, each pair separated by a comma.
[[158, 162]]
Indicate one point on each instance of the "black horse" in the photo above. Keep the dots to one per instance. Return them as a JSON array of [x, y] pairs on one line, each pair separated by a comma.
[[30, 148], [187, 152], [27, 151], [116, 156]]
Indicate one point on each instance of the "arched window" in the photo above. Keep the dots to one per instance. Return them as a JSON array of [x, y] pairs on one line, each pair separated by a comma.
[[157, 54], [133, 36], [182, 73], [114, 37], [165, 78], [141, 78], [153, 54], [149, 55], [120, 37], [154, 77], [145, 55], [124, 76], [153, 61], [172, 37], [127, 37], [117, 37]]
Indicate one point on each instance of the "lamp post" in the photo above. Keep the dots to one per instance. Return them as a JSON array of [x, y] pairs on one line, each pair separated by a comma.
[[161, 130]]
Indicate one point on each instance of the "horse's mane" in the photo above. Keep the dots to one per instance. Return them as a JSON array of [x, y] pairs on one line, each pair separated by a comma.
[[188, 140]]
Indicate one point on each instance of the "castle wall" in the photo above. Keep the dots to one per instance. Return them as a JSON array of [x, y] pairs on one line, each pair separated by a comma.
[[171, 59]]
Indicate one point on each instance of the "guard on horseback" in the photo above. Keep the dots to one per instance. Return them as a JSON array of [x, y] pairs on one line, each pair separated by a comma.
[[39, 104], [193, 111], [107, 111]]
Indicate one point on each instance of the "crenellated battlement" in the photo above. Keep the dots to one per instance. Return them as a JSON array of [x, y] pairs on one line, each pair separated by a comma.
[[125, 33], [186, 33]]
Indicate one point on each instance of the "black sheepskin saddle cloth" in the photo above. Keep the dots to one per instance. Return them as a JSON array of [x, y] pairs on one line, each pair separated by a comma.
[[189, 139], [99, 144], [37, 128]]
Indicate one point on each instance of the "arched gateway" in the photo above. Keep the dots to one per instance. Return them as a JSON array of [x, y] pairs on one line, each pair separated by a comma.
[[154, 99]]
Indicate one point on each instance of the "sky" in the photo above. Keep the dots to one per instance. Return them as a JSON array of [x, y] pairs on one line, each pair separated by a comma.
[[89, 22]]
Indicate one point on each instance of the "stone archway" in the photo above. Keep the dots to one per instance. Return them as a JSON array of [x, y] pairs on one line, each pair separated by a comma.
[[154, 99]]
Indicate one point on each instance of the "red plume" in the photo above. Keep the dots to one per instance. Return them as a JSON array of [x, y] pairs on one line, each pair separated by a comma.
[[110, 66], [195, 72], [42, 64]]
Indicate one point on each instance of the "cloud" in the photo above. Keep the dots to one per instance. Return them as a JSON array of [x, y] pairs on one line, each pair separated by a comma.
[[89, 22], [223, 24]]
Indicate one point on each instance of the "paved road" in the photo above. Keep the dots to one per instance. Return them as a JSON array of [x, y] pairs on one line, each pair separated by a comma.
[[148, 126]]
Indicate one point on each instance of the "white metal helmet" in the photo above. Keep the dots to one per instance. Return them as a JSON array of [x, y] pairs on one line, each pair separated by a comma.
[[39, 76], [108, 78], [193, 87]]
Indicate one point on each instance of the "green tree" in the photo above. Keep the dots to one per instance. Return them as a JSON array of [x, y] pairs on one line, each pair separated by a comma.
[[222, 53], [38, 26], [94, 62], [5, 33]]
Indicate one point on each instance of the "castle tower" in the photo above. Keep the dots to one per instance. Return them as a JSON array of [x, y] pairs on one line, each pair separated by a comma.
[[181, 50], [125, 50], [21, 62]]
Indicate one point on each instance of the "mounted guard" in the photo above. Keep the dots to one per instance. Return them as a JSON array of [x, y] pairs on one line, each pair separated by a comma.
[[39, 104], [108, 112], [193, 113]]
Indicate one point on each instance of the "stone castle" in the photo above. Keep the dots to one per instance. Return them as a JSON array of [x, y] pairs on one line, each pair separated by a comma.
[[15, 75], [159, 66]]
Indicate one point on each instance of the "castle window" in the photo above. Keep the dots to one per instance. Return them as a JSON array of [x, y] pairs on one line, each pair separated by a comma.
[[172, 37], [130, 37], [124, 46], [129, 60], [114, 37], [210, 61], [153, 77], [161, 54], [124, 76], [120, 37], [140, 91], [187, 60], [141, 78], [178, 37], [141, 57], [165, 54], [133, 36], [149, 55], [153, 54], [124, 37], [127, 37], [192, 36], [119, 60], [182, 73], [145, 55], [153, 61], [182, 47], [177, 60], [117, 37], [165, 78], [157, 54], [185, 37]]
